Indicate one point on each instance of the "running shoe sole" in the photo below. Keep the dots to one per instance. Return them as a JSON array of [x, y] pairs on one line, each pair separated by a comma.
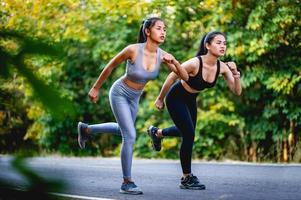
[[79, 137], [193, 188], [130, 192]]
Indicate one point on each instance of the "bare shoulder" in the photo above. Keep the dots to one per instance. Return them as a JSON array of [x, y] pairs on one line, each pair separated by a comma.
[[191, 65], [163, 53], [223, 67], [131, 51], [131, 48], [195, 61], [192, 62]]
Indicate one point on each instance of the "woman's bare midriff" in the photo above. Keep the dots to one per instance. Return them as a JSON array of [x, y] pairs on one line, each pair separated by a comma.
[[188, 88], [133, 85]]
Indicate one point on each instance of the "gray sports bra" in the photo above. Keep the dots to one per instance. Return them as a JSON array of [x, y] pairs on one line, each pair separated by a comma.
[[135, 71]]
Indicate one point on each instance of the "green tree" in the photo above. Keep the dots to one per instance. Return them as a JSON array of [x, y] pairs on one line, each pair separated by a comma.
[[263, 39]]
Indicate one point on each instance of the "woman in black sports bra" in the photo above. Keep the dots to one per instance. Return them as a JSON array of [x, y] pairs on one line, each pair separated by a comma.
[[203, 71]]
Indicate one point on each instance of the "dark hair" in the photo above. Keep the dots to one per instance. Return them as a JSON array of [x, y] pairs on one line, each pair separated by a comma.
[[147, 24], [207, 38]]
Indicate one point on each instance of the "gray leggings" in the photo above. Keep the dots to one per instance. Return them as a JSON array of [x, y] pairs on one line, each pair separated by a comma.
[[124, 103]]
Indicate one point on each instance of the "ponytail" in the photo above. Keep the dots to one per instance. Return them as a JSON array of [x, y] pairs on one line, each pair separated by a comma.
[[146, 24], [202, 49], [207, 38], [141, 36]]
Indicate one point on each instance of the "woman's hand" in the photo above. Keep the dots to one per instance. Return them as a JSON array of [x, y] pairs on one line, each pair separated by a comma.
[[233, 68], [233, 78], [159, 104], [168, 58], [93, 94]]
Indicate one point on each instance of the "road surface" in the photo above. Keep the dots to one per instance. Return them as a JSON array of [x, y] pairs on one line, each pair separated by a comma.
[[100, 178]]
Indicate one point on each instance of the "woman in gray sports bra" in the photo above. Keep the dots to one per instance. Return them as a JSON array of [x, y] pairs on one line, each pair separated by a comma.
[[143, 64]]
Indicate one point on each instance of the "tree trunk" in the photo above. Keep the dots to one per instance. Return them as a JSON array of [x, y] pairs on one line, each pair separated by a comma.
[[285, 151], [292, 141], [252, 154]]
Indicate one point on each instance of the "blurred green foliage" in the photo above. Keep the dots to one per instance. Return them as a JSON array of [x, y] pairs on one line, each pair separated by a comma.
[[52, 52], [36, 186]]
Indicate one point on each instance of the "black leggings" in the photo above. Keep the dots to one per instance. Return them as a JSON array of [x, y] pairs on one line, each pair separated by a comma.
[[182, 108]]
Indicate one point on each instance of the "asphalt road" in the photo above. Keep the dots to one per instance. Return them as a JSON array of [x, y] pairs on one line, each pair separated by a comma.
[[100, 178]]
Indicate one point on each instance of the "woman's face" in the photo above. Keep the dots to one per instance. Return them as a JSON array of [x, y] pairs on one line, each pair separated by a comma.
[[157, 32], [217, 46]]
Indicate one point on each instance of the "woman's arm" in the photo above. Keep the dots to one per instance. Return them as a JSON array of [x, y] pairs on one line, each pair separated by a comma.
[[123, 55], [232, 77], [174, 65], [165, 88]]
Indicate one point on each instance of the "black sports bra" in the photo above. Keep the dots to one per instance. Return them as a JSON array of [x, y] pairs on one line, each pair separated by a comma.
[[197, 82]]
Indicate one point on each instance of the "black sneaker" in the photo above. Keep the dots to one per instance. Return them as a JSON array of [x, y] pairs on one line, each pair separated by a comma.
[[191, 182], [83, 136], [156, 141]]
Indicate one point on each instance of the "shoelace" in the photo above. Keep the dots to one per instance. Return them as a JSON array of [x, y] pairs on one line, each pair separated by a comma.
[[194, 179]]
